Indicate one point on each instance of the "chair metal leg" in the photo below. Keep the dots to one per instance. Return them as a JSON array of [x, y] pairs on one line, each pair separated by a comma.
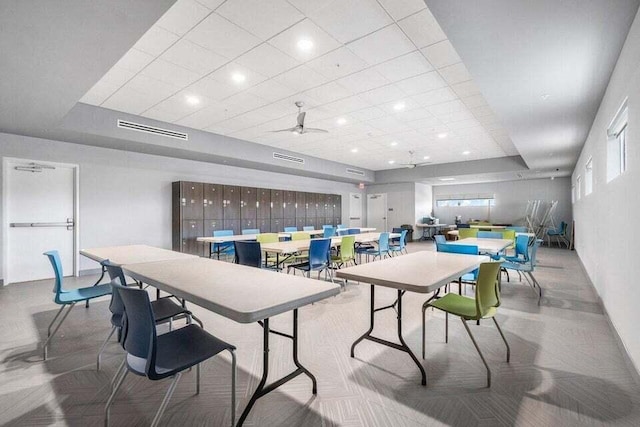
[[167, 397], [446, 327], [198, 378], [54, 320], [52, 334], [535, 283], [503, 339], [104, 344], [122, 366], [464, 322], [113, 395], [233, 387]]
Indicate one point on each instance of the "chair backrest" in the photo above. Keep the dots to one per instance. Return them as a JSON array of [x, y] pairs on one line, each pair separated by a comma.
[[517, 229], [383, 242], [489, 235], [347, 248], [342, 232], [340, 226], [290, 229], [487, 289], [509, 235], [464, 226], [563, 228], [465, 233], [140, 338], [453, 248], [300, 235], [250, 231], [329, 231], [319, 252], [268, 237], [354, 231], [116, 276], [403, 238], [532, 253], [439, 238], [308, 228], [54, 258], [522, 246], [248, 253], [222, 233]]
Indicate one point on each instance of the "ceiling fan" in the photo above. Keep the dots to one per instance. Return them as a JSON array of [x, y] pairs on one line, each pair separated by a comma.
[[411, 164], [300, 127]]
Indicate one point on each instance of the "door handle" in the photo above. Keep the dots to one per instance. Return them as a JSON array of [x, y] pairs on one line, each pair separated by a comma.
[[67, 224]]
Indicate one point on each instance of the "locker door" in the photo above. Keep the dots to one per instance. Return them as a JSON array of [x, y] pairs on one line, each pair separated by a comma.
[[232, 199], [264, 203], [328, 212], [247, 224], [191, 229], [277, 226], [290, 205], [310, 205], [289, 222], [301, 211], [248, 209], [337, 209], [191, 200], [264, 225], [232, 224], [277, 199], [321, 201], [213, 197], [301, 222]]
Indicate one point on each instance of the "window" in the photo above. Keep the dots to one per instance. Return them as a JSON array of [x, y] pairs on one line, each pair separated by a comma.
[[617, 143], [578, 187], [588, 177], [458, 202]]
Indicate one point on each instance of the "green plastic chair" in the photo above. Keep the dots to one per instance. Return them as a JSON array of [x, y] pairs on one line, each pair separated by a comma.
[[483, 306], [347, 252], [269, 238], [300, 235], [465, 233]]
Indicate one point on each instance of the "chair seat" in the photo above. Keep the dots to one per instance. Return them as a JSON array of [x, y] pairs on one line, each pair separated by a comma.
[[516, 266], [166, 308], [335, 258], [306, 267], [179, 350], [460, 305], [512, 258], [83, 294], [469, 277]]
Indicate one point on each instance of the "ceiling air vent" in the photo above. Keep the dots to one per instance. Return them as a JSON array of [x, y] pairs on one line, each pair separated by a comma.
[[355, 172], [152, 129], [288, 158]]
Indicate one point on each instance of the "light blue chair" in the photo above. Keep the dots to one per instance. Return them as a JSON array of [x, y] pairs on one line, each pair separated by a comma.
[[527, 268], [559, 233], [223, 248], [522, 250], [308, 228], [290, 229], [401, 246], [340, 226], [68, 297], [342, 232], [489, 235], [353, 231], [382, 251], [251, 231], [328, 231], [327, 226], [440, 239], [319, 259], [517, 229]]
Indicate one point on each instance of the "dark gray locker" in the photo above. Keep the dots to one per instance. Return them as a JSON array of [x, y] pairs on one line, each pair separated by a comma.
[[248, 223], [248, 209], [264, 203], [213, 201], [232, 224], [264, 225], [289, 222], [277, 225], [191, 200], [310, 203], [289, 205], [301, 222], [232, 197], [192, 229], [277, 200], [328, 212]]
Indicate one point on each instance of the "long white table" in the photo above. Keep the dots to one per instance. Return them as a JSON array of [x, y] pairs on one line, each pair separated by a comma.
[[456, 233], [490, 246], [428, 230], [229, 290], [421, 272]]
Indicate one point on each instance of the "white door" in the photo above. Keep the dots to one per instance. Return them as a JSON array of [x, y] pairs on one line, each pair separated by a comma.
[[40, 216], [355, 210], [377, 211]]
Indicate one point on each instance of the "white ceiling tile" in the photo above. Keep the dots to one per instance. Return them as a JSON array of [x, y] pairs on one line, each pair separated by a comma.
[[425, 123], [474, 101], [149, 86], [405, 66], [456, 116], [481, 111], [231, 70], [455, 73], [241, 122], [390, 107], [287, 41], [259, 17], [447, 107], [388, 124], [466, 89], [222, 37], [178, 106], [130, 101], [275, 110], [203, 118], [382, 45], [301, 78], [134, 60], [156, 40], [107, 85], [329, 92], [309, 6], [347, 20], [347, 105], [270, 90], [422, 83], [211, 4], [414, 114], [441, 54], [171, 73], [422, 28], [267, 60], [367, 113], [182, 16], [364, 80], [243, 102], [193, 57], [401, 8], [212, 89], [162, 115], [337, 63], [435, 97], [384, 94]]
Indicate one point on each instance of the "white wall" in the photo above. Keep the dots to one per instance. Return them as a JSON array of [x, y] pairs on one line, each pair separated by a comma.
[[603, 217], [400, 202], [424, 201], [510, 199], [125, 197]]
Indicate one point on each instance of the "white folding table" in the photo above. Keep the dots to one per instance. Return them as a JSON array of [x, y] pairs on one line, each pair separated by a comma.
[[421, 272], [489, 246]]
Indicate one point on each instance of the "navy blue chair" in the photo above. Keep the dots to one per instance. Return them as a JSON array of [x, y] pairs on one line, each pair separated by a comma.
[[319, 259], [342, 232], [163, 356], [248, 253], [68, 297], [165, 309]]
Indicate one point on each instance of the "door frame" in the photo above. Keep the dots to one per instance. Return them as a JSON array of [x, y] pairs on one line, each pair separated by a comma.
[[8, 162], [386, 212]]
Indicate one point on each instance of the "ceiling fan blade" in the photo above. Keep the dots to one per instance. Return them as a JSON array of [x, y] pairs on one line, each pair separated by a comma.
[[294, 129], [314, 130], [301, 119]]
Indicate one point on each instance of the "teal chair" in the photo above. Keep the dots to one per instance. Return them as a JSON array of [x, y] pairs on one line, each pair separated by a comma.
[[559, 233], [223, 248], [68, 297], [489, 235], [517, 229], [290, 229], [328, 231], [527, 268], [401, 246], [251, 231], [340, 226], [483, 306], [382, 251]]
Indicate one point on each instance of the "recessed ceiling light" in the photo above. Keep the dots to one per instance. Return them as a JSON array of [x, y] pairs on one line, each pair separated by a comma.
[[238, 77], [354, 150], [394, 143], [193, 100], [442, 135], [391, 162], [426, 158], [466, 153], [399, 106], [341, 121], [447, 179], [544, 96], [305, 44]]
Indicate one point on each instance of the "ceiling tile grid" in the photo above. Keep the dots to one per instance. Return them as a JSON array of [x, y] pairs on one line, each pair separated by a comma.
[[379, 75]]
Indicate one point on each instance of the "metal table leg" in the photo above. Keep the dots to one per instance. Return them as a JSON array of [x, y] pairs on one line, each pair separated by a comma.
[[263, 389], [403, 345], [104, 270]]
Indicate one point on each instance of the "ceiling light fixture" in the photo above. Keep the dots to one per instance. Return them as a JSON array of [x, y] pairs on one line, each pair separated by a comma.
[[426, 158], [391, 162], [442, 135], [394, 143], [466, 153], [193, 100], [399, 106], [238, 77], [354, 150], [341, 121], [305, 44], [447, 179]]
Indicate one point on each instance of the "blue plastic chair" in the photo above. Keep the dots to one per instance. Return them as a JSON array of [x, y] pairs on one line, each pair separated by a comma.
[[250, 231], [68, 297], [248, 253], [353, 231], [439, 238], [164, 309], [319, 259], [327, 226], [517, 229], [401, 246], [528, 267], [223, 248], [329, 231], [461, 249], [308, 228], [489, 235], [559, 233], [161, 356], [342, 232], [290, 229], [341, 226], [522, 250], [382, 251]]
